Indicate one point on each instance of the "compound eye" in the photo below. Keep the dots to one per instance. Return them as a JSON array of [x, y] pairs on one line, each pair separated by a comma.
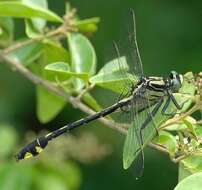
[[171, 75]]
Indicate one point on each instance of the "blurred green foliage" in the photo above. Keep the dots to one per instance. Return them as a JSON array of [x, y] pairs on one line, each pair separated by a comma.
[[40, 175], [169, 34]]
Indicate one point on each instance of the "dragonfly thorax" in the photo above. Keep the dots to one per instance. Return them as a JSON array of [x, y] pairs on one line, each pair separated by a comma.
[[155, 87], [149, 89]]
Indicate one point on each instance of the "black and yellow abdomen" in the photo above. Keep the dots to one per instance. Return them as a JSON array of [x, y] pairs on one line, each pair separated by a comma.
[[32, 149]]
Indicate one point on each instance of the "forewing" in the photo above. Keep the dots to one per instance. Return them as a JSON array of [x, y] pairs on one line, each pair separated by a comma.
[[128, 45]]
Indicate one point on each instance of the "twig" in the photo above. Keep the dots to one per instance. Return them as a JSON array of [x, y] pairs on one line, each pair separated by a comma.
[[180, 117], [199, 122], [159, 148], [58, 91], [30, 41], [179, 158], [61, 30], [87, 89]]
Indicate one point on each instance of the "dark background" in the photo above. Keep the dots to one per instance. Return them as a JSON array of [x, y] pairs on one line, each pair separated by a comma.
[[170, 37]]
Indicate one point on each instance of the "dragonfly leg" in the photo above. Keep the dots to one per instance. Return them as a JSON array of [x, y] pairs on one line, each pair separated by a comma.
[[149, 118], [179, 107], [165, 107]]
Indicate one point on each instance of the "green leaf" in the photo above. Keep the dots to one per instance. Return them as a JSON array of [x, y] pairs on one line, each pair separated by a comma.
[[27, 54], [190, 126], [6, 34], [115, 65], [31, 30], [182, 125], [52, 52], [192, 182], [198, 131], [112, 77], [193, 163], [168, 141], [183, 172], [83, 57], [63, 69], [186, 89], [91, 101], [115, 82], [7, 25], [87, 25], [48, 105], [58, 67], [20, 9], [35, 26]]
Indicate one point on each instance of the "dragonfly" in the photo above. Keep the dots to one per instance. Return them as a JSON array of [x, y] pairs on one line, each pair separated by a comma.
[[153, 94]]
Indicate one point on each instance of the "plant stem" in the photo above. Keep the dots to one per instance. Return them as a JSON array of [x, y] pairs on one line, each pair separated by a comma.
[[58, 91], [31, 41], [83, 92], [159, 148], [58, 32], [180, 117]]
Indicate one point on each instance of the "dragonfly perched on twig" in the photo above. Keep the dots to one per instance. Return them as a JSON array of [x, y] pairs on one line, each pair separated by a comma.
[[149, 95]]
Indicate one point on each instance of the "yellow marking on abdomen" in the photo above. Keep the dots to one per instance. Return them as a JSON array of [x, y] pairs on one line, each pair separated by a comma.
[[28, 155], [38, 149]]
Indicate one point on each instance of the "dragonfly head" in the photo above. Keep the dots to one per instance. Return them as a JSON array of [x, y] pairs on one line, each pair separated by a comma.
[[175, 81]]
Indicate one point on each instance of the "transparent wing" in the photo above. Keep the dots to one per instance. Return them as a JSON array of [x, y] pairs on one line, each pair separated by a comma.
[[133, 48], [128, 45], [141, 131], [128, 55], [125, 67]]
